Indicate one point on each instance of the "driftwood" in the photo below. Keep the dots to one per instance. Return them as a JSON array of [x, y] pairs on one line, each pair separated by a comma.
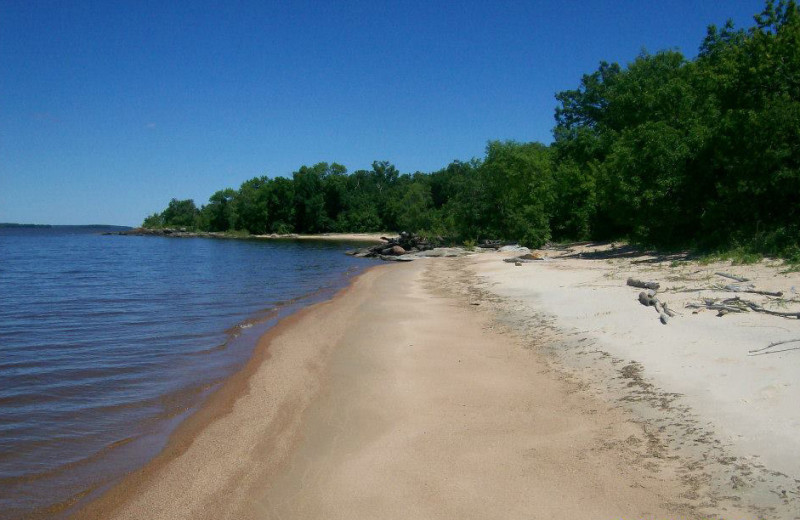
[[633, 282], [733, 277], [494, 244], [775, 344], [751, 289], [758, 308], [738, 304], [394, 248], [648, 299], [721, 309], [765, 350]]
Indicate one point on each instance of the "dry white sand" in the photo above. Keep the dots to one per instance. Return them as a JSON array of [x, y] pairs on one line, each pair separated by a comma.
[[402, 399], [733, 415]]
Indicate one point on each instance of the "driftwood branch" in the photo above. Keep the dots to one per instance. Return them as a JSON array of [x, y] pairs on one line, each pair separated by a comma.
[[751, 289], [775, 351], [775, 344], [721, 308], [733, 277], [765, 350], [738, 304]]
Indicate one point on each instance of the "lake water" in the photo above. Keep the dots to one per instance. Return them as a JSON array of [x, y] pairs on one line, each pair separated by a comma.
[[107, 342]]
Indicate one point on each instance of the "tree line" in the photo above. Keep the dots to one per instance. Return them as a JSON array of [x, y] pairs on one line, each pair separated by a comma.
[[666, 151]]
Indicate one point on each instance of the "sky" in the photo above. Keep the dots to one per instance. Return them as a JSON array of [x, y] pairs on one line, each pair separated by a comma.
[[109, 109]]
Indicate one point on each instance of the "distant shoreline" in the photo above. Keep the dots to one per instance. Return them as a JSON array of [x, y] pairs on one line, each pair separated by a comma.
[[183, 233], [14, 225]]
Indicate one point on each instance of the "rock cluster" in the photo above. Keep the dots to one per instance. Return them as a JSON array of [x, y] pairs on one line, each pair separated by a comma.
[[397, 249]]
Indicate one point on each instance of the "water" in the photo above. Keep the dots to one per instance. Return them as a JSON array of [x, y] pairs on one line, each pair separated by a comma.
[[107, 342]]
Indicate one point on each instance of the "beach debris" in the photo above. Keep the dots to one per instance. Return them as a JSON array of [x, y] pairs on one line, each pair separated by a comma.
[[495, 244], [394, 251], [767, 350], [645, 299], [398, 248], [518, 263], [738, 305], [523, 259], [633, 282], [749, 288], [732, 277], [648, 299], [442, 252], [390, 258], [514, 249]]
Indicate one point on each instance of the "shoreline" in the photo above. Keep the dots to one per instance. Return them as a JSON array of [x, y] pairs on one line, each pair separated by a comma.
[[218, 404], [420, 382]]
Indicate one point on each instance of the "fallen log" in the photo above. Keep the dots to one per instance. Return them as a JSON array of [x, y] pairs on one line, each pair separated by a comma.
[[633, 282], [645, 299], [648, 299]]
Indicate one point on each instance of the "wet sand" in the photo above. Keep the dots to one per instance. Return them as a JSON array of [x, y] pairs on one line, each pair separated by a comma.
[[402, 398]]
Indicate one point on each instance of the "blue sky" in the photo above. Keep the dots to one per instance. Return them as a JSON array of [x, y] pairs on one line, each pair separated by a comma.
[[109, 109]]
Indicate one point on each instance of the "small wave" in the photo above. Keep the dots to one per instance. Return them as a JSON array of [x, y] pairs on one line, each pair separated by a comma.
[[58, 470]]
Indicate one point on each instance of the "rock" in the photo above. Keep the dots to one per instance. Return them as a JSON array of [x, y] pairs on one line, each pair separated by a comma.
[[390, 258], [527, 257], [449, 252], [514, 249], [398, 250]]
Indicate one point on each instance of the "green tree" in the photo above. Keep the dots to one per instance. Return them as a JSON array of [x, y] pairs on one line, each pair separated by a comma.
[[180, 213], [252, 205], [153, 221], [280, 205], [220, 212], [311, 211]]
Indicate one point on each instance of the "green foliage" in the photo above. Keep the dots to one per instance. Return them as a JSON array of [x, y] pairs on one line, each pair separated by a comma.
[[180, 213], [517, 192], [154, 221], [220, 214], [675, 152], [665, 151], [252, 205]]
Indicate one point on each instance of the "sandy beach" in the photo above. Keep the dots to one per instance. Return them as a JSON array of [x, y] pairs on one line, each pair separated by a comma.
[[474, 388]]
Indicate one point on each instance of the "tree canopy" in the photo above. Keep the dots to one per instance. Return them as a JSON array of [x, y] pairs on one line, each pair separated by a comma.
[[665, 150]]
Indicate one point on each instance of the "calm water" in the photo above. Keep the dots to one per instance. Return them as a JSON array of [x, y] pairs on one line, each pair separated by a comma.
[[107, 342]]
